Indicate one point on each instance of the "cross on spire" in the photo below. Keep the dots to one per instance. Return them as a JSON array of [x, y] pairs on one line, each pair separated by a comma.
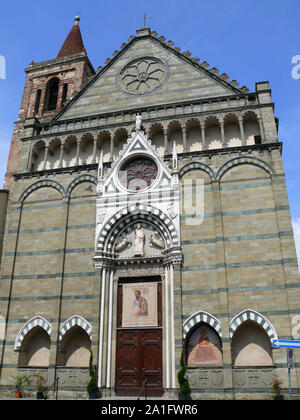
[[145, 17]]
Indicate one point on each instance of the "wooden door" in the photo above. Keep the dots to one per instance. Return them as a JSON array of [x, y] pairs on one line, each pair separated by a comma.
[[139, 356]]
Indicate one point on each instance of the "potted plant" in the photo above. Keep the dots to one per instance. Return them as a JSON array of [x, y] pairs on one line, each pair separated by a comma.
[[276, 388], [40, 384], [20, 381], [185, 390], [92, 386]]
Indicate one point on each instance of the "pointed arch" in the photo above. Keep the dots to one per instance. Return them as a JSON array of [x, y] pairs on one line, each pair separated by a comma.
[[251, 315], [42, 184], [36, 321], [197, 318], [71, 322], [242, 161], [196, 166], [78, 180]]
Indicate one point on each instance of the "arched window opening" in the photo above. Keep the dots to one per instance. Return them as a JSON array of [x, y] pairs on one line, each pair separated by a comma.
[[203, 347], [104, 145], [38, 155], [75, 348], [64, 94], [157, 138], [193, 135], [251, 346], [232, 131], [51, 94], [37, 101], [175, 135], [35, 349], [213, 138], [251, 128], [120, 138]]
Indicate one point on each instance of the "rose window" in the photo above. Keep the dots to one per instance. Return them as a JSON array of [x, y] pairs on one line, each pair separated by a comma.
[[138, 174], [142, 76]]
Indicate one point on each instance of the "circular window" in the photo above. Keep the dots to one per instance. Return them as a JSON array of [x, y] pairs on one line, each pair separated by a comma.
[[142, 75], [138, 174]]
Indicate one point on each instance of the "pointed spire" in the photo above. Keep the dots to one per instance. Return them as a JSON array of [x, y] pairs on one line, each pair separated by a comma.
[[73, 43]]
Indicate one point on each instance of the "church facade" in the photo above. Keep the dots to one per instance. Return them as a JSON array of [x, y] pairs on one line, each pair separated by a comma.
[[148, 221]]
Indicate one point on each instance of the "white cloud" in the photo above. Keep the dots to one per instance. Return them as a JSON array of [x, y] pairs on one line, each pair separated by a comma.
[[296, 228]]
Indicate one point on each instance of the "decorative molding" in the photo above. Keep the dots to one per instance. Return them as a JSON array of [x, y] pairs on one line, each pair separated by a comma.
[[242, 161], [139, 271], [196, 166], [71, 322], [36, 321], [247, 378], [78, 180], [251, 315], [73, 377], [205, 378], [132, 213], [216, 176], [199, 317], [42, 184]]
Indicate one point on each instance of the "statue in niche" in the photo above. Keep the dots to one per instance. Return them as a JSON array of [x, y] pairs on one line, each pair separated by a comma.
[[157, 240], [138, 122], [139, 241], [122, 243]]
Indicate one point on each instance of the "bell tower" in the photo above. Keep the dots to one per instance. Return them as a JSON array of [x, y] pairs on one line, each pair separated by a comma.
[[49, 85]]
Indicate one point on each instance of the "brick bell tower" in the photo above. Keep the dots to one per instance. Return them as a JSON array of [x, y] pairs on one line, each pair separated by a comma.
[[48, 87]]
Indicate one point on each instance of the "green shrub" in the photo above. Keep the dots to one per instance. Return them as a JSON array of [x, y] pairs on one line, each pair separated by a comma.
[[92, 383], [183, 382]]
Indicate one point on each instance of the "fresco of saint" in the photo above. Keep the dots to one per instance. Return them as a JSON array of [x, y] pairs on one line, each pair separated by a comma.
[[140, 304], [204, 348]]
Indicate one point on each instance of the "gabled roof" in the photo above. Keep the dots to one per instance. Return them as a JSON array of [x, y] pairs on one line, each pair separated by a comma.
[[202, 69], [73, 43]]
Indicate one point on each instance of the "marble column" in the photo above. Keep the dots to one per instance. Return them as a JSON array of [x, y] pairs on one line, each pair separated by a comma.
[[261, 129], [109, 332], [62, 145], [184, 137], [94, 149], [30, 158], [202, 125], [222, 133], [166, 140], [101, 329], [45, 156], [241, 124]]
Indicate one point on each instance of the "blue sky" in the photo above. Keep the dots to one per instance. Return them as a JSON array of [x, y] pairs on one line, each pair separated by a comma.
[[250, 41]]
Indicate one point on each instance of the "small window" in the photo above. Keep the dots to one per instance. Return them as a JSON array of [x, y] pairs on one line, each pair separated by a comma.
[[64, 94], [37, 101], [257, 139], [51, 94]]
